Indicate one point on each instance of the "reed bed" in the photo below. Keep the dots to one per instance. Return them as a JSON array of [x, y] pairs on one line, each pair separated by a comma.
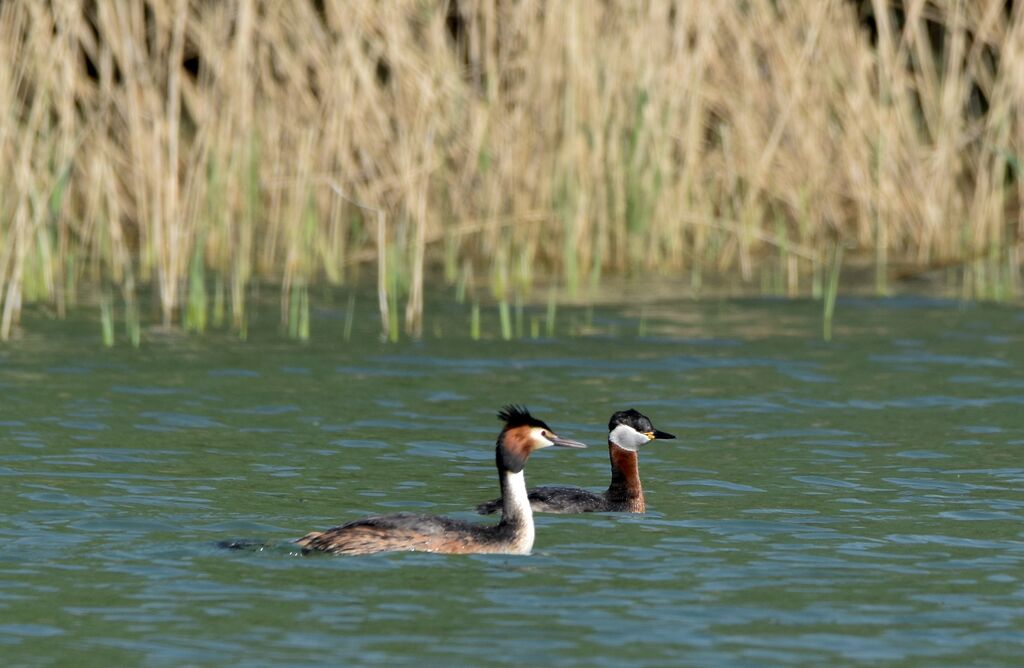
[[195, 148]]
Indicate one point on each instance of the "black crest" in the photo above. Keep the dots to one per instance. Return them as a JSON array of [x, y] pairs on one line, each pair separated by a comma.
[[517, 416], [632, 418], [638, 421]]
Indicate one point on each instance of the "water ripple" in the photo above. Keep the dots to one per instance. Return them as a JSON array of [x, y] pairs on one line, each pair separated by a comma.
[[856, 502]]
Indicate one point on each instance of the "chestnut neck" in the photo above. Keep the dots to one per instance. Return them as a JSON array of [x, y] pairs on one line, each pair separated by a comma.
[[625, 486]]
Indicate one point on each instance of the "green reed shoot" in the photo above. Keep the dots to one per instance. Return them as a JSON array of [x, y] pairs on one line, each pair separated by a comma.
[[393, 330], [816, 280], [474, 322], [293, 311], [350, 317], [549, 320], [218, 301], [451, 261], [107, 319], [195, 312], [132, 326], [504, 314], [303, 330], [833, 288], [519, 316], [462, 282], [70, 279]]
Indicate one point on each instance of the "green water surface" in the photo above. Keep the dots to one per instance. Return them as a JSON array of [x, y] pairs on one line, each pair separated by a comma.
[[851, 503]]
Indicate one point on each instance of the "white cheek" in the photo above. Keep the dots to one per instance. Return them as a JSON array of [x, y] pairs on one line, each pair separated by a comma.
[[540, 441], [628, 438]]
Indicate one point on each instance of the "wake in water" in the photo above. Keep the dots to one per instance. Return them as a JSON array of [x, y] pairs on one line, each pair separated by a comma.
[[243, 544]]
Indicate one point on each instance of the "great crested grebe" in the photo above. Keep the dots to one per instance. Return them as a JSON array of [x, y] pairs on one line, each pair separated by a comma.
[[627, 431], [521, 435]]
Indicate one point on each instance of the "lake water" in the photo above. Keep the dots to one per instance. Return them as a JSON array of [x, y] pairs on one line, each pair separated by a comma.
[[844, 503]]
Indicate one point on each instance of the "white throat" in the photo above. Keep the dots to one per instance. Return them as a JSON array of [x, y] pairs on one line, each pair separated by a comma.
[[627, 438], [516, 508]]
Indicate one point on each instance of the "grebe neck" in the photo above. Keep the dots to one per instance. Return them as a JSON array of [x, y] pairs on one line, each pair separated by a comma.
[[625, 485], [515, 503], [516, 513]]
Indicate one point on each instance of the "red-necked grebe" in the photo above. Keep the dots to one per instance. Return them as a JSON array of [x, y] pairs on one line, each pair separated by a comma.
[[627, 431], [521, 435]]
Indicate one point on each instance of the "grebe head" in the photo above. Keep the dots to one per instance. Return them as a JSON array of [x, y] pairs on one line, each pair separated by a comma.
[[523, 434], [631, 429]]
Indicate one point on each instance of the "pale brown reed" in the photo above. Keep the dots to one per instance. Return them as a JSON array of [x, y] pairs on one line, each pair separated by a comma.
[[231, 141]]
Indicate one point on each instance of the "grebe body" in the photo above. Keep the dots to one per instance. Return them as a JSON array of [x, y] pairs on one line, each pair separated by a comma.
[[627, 432], [514, 534]]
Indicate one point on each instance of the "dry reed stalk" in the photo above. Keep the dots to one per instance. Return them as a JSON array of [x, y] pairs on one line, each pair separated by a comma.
[[617, 136], [414, 305], [382, 275]]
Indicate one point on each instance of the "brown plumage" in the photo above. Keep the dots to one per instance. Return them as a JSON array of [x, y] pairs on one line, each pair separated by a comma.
[[628, 430], [625, 492], [514, 534], [409, 532]]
